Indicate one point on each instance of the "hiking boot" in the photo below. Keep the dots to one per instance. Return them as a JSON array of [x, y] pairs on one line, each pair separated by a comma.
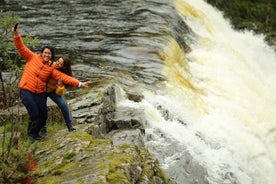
[[43, 132], [70, 128], [35, 137]]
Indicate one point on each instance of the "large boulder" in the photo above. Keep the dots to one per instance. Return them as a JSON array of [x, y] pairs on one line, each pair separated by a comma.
[[78, 157], [107, 147]]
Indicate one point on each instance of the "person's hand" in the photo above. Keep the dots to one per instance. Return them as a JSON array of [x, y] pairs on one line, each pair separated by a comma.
[[86, 84], [15, 31], [60, 83]]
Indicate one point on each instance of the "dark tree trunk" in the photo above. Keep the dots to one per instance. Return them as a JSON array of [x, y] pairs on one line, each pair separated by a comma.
[[2, 92], [267, 17]]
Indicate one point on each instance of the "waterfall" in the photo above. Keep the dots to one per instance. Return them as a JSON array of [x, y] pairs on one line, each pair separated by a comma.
[[209, 109], [214, 121]]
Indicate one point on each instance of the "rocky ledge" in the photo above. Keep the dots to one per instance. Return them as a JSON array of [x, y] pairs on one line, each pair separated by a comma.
[[107, 147]]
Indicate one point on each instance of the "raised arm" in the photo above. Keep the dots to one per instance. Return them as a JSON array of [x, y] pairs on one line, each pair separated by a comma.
[[23, 50]]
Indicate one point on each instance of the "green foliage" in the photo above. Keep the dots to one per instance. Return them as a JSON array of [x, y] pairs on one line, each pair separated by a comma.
[[258, 15], [9, 87], [16, 160], [16, 149], [9, 58], [7, 20]]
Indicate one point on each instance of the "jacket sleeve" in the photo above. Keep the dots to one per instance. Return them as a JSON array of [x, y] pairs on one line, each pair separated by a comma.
[[24, 51], [66, 79]]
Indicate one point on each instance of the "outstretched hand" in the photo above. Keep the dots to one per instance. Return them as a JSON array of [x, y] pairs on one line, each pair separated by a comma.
[[60, 83], [86, 84], [15, 30]]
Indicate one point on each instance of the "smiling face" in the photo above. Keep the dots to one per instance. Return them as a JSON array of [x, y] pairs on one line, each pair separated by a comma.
[[59, 63], [46, 54]]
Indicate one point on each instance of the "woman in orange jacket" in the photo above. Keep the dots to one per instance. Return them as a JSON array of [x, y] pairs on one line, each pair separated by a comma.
[[55, 90], [33, 83]]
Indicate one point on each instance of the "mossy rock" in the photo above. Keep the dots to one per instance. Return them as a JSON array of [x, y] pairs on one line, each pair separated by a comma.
[[78, 157]]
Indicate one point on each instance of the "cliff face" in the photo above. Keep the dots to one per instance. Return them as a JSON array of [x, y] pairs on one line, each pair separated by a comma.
[[106, 148]]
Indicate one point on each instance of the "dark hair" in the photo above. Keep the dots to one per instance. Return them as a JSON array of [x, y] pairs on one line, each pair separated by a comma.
[[66, 65], [51, 49]]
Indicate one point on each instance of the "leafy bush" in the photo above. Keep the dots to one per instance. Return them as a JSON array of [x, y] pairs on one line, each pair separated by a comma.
[[9, 59], [16, 159], [16, 150]]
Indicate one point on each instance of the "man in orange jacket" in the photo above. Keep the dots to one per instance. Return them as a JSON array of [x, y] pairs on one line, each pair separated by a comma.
[[32, 84]]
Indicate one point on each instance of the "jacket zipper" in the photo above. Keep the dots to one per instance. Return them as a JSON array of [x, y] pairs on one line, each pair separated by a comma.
[[38, 74]]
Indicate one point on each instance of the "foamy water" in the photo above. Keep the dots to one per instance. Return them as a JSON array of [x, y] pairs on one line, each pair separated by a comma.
[[219, 102], [214, 119]]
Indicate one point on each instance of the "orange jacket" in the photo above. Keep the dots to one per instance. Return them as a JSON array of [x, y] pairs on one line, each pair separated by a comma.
[[36, 72]]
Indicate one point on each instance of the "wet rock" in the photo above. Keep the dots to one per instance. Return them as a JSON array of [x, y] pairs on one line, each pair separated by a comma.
[[134, 95], [107, 147], [126, 137], [77, 157]]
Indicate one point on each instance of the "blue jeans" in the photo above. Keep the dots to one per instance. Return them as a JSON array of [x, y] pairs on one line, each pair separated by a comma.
[[62, 104], [36, 106]]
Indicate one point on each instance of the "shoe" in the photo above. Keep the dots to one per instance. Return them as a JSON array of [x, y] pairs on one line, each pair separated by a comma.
[[35, 137], [70, 128], [43, 132]]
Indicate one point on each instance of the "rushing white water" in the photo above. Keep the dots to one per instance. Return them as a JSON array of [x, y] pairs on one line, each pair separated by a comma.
[[222, 127], [214, 120]]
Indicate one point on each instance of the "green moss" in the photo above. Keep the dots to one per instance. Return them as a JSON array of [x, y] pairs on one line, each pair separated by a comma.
[[46, 167], [149, 171], [54, 170], [118, 161], [68, 156], [80, 136], [99, 144], [117, 164], [102, 157], [55, 127], [48, 146], [63, 167], [49, 180], [117, 177]]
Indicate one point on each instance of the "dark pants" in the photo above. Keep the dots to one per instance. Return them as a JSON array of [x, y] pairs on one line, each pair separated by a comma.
[[62, 104], [36, 106]]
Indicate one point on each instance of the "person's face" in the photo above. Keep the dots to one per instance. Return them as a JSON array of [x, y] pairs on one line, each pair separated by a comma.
[[59, 63], [46, 55]]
